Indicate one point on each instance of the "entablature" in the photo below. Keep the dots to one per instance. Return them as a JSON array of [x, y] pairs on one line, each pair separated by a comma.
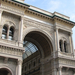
[[11, 51], [11, 7], [37, 12]]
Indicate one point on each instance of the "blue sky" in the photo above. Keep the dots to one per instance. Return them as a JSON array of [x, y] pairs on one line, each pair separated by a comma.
[[66, 7]]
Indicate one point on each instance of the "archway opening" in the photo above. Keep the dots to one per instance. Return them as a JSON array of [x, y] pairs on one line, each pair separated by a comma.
[[37, 46], [4, 71]]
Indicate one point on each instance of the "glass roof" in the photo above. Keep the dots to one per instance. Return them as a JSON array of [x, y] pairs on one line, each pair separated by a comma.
[[30, 48]]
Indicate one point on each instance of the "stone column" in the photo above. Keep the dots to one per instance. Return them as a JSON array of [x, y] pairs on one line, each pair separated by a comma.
[[8, 32], [71, 44], [0, 16], [20, 32], [62, 46], [60, 70], [19, 67], [68, 48], [57, 38], [0, 24]]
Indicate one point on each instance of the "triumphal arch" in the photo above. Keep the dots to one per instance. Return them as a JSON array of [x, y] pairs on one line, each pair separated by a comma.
[[34, 41]]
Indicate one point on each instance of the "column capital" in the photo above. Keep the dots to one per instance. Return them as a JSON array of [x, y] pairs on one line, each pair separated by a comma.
[[59, 68], [19, 62], [56, 28]]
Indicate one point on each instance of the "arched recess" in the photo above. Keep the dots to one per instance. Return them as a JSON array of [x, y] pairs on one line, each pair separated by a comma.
[[43, 43], [4, 31], [42, 38], [5, 71]]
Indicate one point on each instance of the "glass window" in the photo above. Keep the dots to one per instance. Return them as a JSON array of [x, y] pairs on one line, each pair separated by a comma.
[[30, 48], [4, 32], [11, 33]]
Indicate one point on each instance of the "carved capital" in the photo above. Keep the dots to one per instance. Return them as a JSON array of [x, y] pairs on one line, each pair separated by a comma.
[[19, 62], [6, 60], [60, 68]]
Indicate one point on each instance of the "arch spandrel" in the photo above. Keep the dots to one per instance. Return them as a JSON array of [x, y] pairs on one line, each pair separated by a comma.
[[30, 29]]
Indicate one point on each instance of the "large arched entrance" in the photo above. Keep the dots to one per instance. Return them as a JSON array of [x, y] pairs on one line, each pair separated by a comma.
[[4, 71], [37, 47]]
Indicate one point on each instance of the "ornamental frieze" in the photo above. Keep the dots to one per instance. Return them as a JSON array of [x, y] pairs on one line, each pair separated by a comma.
[[32, 23], [67, 62], [9, 50]]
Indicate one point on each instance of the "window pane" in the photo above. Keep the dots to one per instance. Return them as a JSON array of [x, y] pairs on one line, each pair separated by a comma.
[[10, 37], [30, 48], [4, 32], [3, 36]]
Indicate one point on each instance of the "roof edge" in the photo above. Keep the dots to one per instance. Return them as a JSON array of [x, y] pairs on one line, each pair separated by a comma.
[[52, 16], [20, 2]]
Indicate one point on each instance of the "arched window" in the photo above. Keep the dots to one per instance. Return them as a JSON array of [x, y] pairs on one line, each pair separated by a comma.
[[65, 46], [4, 32], [60, 44], [11, 33]]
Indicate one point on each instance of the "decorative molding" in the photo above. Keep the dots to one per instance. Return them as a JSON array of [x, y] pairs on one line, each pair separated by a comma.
[[10, 50], [67, 62], [33, 23]]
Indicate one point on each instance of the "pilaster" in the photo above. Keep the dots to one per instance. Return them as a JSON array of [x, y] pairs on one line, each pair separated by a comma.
[[19, 67], [57, 39], [60, 70], [20, 32], [8, 33], [0, 23], [71, 44]]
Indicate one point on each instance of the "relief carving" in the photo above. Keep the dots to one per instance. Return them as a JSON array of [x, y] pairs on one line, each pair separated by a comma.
[[67, 62], [12, 51], [33, 23]]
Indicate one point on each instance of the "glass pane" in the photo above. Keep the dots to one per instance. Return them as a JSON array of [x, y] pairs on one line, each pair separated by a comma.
[[24, 56], [11, 31], [33, 49], [28, 52], [3, 36], [4, 29], [10, 37], [30, 48]]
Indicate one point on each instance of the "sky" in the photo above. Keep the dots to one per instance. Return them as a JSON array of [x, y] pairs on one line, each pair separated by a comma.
[[66, 7]]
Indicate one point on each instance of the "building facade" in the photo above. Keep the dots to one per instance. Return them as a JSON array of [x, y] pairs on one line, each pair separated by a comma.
[[34, 41]]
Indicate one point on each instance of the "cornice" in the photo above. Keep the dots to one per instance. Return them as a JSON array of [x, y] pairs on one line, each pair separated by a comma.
[[27, 8], [63, 19], [17, 3], [21, 3], [12, 46], [13, 11], [41, 14]]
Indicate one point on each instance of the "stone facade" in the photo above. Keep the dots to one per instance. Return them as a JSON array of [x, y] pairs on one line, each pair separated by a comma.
[[51, 33]]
